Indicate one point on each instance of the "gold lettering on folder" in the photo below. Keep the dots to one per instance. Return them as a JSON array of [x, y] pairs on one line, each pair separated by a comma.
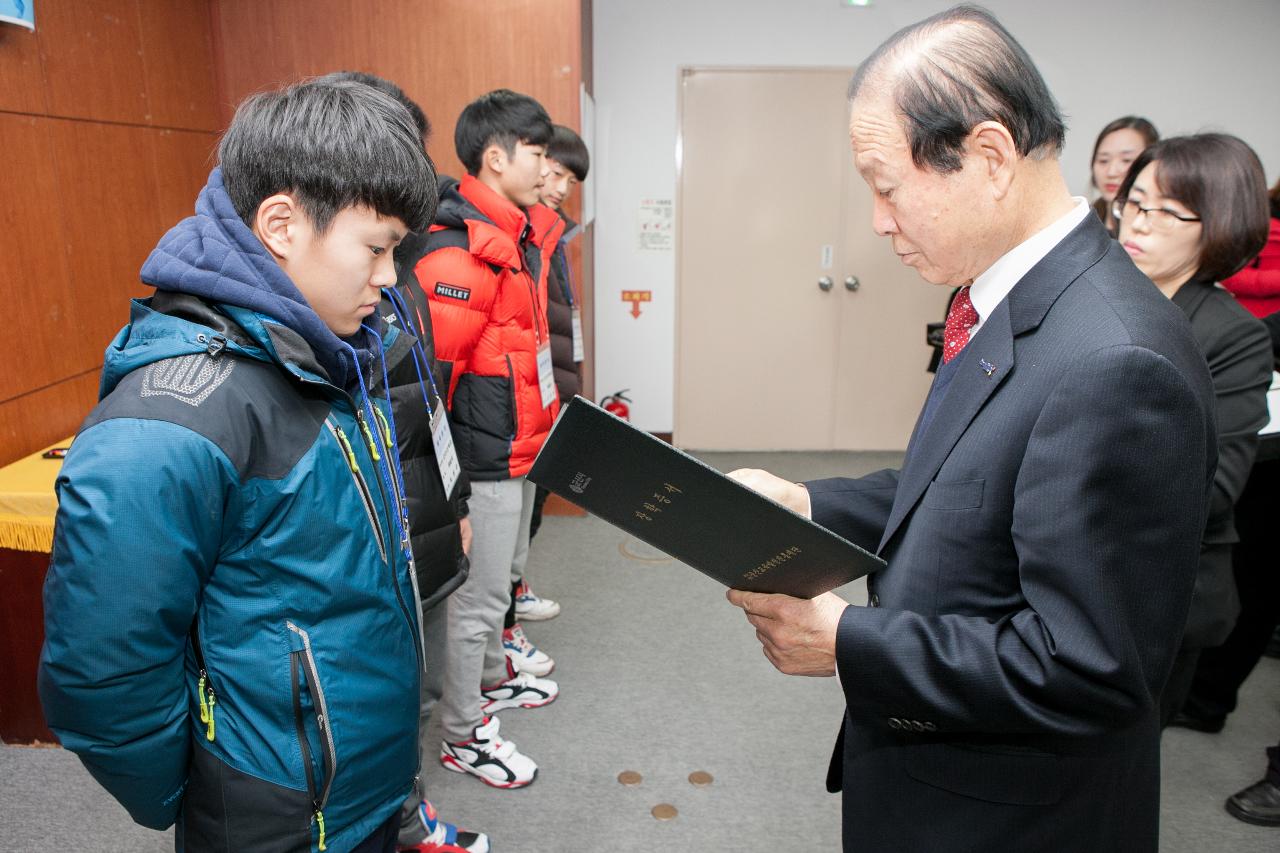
[[772, 563]]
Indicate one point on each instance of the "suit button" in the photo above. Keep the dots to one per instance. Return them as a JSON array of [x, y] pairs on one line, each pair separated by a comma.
[[895, 723], [875, 599], [930, 727], [917, 725]]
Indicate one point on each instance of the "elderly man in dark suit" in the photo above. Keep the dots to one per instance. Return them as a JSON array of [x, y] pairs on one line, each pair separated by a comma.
[[1042, 535]]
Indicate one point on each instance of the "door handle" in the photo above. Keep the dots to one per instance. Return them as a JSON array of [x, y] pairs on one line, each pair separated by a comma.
[[851, 283], [825, 283]]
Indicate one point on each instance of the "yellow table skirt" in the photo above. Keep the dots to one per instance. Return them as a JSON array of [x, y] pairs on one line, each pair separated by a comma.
[[28, 503]]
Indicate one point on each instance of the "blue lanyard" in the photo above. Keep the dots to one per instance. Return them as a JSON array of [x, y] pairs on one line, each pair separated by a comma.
[[419, 354], [389, 471]]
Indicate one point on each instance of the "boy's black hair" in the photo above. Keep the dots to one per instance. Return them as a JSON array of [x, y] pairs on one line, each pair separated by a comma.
[[568, 149], [332, 145], [386, 86], [502, 118]]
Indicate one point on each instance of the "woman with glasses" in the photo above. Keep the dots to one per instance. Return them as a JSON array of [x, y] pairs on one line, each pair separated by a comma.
[[1193, 211], [1115, 149]]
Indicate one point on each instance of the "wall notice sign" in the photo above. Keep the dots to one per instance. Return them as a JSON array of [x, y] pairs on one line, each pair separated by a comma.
[[655, 225]]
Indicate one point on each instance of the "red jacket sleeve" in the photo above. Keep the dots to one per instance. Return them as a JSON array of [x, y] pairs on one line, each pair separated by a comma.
[[461, 291], [1261, 278]]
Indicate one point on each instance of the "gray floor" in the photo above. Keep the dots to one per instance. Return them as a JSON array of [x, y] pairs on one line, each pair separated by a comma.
[[661, 676]]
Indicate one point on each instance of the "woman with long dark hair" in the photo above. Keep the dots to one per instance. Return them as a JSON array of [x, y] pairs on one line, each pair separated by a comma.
[[1117, 146]]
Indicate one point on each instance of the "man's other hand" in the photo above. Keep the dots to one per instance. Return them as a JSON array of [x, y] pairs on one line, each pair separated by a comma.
[[793, 496], [798, 635]]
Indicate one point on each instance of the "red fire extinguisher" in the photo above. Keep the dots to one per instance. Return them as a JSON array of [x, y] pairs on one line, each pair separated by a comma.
[[616, 403]]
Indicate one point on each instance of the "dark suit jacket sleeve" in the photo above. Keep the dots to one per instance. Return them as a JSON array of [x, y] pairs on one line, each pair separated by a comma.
[[857, 509], [1239, 357], [1087, 647]]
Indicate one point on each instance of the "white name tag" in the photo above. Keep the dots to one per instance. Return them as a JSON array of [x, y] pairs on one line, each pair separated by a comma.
[[546, 375], [446, 453], [578, 354]]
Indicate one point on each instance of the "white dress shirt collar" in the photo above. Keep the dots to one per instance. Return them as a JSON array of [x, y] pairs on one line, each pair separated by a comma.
[[994, 284]]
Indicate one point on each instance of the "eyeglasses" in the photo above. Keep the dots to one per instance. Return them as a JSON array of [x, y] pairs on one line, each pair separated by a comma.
[[1159, 218]]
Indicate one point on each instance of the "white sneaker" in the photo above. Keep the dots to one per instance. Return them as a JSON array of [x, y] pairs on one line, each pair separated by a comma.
[[523, 691], [524, 656], [533, 609], [490, 759]]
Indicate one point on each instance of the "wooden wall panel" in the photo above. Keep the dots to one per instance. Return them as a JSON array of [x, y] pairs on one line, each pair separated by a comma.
[[40, 418], [92, 56], [21, 77], [443, 53], [183, 161], [111, 220], [177, 55], [37, 288]]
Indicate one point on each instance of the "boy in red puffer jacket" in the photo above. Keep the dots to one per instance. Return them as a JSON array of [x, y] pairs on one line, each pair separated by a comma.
[[485, 277]]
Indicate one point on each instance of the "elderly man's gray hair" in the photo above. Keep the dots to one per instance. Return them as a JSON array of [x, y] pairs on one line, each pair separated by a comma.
[[955, 70]]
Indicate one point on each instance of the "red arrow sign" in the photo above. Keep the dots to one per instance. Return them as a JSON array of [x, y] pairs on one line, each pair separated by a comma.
[[635, 297]]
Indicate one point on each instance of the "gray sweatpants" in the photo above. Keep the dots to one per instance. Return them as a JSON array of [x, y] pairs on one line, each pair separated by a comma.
[[499, 511]]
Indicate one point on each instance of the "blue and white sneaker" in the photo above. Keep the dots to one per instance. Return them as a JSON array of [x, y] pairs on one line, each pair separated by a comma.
[[524, 656], [444, 837], [531, 608]]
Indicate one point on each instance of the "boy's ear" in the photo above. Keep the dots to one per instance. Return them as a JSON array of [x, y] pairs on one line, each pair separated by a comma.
[[495, 159], [276, 223]]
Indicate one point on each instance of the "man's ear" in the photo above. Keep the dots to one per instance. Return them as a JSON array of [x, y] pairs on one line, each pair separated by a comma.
[[276, 224], [993, 146]]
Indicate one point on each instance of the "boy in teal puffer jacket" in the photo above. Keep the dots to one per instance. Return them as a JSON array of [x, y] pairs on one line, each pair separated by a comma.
[[232, 632]]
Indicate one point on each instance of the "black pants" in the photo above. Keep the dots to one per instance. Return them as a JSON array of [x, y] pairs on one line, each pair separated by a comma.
[[383, 839], [1177, 688], [1256, 563], [539, 498]]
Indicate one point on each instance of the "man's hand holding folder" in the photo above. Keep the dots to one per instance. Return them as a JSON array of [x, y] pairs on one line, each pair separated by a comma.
[[798, 635], [793, 496]]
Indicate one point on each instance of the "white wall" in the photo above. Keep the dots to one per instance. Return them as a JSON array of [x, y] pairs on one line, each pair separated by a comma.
[[1188, 65]]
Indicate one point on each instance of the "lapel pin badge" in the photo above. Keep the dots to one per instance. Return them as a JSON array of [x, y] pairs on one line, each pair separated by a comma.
[[987, 367]]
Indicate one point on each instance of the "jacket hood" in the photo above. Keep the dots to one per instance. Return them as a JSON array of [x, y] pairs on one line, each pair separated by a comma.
[[453, 210], [213, 255]]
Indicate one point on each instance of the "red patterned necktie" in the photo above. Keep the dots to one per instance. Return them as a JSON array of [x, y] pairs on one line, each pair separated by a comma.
[[960, 319]]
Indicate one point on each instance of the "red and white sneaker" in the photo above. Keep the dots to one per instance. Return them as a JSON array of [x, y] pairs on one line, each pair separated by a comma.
[[522, 655], [522, 691], [490, 759], [531, 608], [441, 837]]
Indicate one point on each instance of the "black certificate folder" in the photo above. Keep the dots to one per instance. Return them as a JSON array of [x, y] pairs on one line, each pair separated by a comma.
[[672, 501]]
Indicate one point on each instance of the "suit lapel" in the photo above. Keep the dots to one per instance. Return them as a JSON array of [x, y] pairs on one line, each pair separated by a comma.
[[987, 361]]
